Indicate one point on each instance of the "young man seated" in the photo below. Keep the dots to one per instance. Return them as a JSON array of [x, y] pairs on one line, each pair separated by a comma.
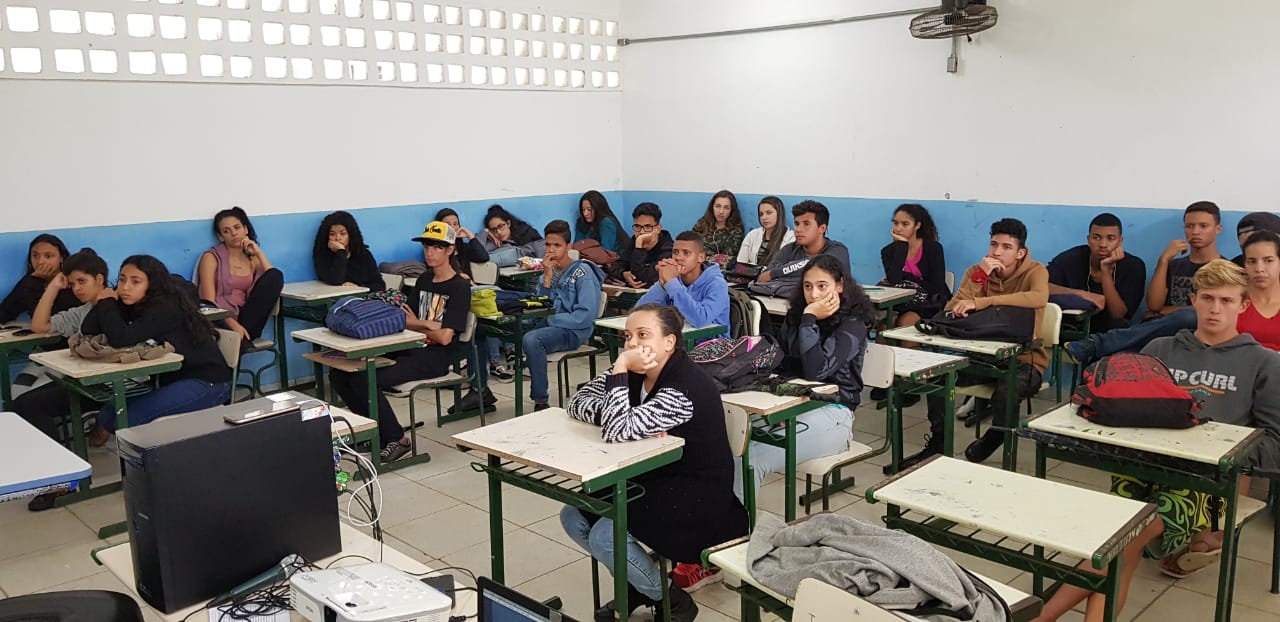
[[783, 274], [693, 286], [637, 264], [1236, 379], [1100, 273], [1008, 277], [574, 288], [1171, 282]]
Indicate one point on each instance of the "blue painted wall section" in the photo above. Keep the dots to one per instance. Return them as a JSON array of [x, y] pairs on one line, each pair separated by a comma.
[[862, 224]]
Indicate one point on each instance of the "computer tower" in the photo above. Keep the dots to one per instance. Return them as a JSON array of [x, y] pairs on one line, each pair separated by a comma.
[[210, 504]]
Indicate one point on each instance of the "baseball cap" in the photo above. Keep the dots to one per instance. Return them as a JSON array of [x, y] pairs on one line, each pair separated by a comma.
[[437, 233], [1255, 221]]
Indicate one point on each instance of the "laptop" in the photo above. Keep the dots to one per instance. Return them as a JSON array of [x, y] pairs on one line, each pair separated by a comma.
[[499, 603]]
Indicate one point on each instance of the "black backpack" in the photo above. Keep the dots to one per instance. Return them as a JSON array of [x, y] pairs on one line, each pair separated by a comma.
[[998, 323], [735, 364]]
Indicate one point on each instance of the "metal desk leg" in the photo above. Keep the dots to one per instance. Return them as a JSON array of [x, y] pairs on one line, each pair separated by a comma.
[[371, 385], [6, 392], [121, 403], [1111, 589], [1226, 570], [495, 522], [1010, 462], [790, 485], [750, 610], [620, 605], [282, 341], [949, 416], [519, 344], [1037, 582], [893, 410]]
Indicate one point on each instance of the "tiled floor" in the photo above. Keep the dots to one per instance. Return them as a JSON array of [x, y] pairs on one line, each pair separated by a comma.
[[437, 512]]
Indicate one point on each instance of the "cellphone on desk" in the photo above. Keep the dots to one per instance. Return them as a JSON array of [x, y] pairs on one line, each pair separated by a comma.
[[279, 408], [23, 332]]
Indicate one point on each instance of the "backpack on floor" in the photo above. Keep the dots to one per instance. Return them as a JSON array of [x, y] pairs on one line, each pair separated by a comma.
[[1137, 391], [737, 363], [364, 319]]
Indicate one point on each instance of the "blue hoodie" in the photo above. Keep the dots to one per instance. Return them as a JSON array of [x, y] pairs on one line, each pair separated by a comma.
[[575, 294], [704, 303]]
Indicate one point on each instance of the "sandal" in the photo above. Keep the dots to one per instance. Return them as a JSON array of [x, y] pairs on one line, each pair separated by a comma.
[[99, 437], [1186, 562]]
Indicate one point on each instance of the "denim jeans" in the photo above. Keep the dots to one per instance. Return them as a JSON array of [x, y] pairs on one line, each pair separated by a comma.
[[177, 397], [1139, 335], [829, 431], [597, 539], [505, 256], [538, 343]]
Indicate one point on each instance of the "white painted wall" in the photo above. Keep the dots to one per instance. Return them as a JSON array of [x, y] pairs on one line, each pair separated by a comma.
[[85, 153], [1151, 103]]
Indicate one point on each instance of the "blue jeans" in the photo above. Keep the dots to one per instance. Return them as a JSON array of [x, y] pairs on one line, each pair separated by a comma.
[[1139, 335], [177, 397], [597, 539], [829, 431], [538, 343]]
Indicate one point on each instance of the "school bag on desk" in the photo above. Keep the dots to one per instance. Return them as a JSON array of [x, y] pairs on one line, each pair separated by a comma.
[[591, 250], [737, 363], [996, 323], [364, 319], [1135, 391]]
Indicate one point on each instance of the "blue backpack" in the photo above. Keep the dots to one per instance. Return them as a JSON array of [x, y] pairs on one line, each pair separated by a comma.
[[364, 319]]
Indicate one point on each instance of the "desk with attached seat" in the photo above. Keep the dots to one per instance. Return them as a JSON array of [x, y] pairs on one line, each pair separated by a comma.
[[776, 410], [308, 301], [511, 329], [11, 343]]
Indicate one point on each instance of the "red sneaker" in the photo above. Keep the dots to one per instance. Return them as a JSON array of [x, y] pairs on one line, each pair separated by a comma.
[[692, 577]]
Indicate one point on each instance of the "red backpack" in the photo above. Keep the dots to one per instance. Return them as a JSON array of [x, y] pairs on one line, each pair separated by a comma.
[[1136, 391]]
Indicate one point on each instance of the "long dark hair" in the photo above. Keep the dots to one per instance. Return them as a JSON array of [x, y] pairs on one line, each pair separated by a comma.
[[86, 260], [162, 288], [779, 230], [669, 319], [238, 214], [355, 241], [46, 238], [600, 211], [854, 302], [928, 231], [707, 223], [521, 232]]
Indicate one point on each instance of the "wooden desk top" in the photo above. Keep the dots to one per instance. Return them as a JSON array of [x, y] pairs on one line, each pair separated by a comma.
[[119, 560], [774, 305], [62, 362], [907, 361], [314, 291], [762, 403], [1061, 517], [553, 441], [614, 290], [880, 294], [326, 338], [989, 348], [1208, 443], [29, 459], [8, 338]]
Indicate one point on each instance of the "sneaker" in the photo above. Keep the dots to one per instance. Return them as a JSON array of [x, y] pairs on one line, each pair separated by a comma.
[[878, 394], [683, 609], [471, 402], [1080, 352], [394, 450], [932, 447], [540, 406], [692, 577], [981, 449], [500, 372]]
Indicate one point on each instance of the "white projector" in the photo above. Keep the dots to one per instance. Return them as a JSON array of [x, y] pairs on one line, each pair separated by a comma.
[[366, 593]]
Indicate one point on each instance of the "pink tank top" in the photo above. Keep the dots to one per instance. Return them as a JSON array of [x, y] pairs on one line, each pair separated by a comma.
[[912, 266], [232, 290]]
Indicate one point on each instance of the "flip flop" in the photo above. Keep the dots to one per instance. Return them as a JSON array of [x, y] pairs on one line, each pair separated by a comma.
[[1188, 562]]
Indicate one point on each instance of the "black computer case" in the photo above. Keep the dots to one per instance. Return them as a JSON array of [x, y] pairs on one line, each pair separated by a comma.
[[210, 505]]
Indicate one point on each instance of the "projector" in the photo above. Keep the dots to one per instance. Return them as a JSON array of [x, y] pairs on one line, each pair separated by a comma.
[[366, 593]]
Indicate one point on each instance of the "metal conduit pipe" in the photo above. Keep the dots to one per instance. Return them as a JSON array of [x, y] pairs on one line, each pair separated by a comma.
[[744, 31]]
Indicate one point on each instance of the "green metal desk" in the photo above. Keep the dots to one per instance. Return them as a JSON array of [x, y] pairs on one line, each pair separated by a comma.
[[1206, 458], [367, 351], [887, 299], [518, 279], [561, 458], [622, 298], [1035, 525], [308, 301], [997, 360], [11, 344], [774, 411], [101, 382], [1076, 325], [511, 329], [610, 331]]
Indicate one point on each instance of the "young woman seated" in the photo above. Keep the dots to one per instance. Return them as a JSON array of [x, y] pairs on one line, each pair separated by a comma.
[[469, 248], [508, 238], [763, 242], [340, 255], [148, 306], [914, 259], [654, 389], [45, 255], [721, 225], [597, 222], [236, 275], [826, 334]]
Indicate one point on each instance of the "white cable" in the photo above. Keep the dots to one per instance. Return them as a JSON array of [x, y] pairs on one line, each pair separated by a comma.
[[344, 448]]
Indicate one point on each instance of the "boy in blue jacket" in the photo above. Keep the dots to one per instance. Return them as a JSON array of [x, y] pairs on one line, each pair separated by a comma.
[[574, 287], [694, 287]]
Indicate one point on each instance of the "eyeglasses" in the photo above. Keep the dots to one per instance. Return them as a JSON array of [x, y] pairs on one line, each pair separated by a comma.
[[500, 226], [643, 228]]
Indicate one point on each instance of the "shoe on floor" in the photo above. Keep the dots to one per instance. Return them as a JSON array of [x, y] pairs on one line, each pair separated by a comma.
[[43, 502], [683, 609], [878, 394], [540, 406], [635, 600], [1080, 352], [981, 449], [471, 402], [501, 372], [932, 447], [693, 577], [394, 450]]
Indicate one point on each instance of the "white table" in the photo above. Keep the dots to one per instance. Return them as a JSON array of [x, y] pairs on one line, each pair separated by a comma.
[[310, 301], [312, 291], [549, 448], [1017, 520], [119, 560], [1206, 443], [33, 464]]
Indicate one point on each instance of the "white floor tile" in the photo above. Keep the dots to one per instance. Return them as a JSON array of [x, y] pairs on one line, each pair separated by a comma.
[[447, 531], [42, 530], [46, 568], [527, 556]]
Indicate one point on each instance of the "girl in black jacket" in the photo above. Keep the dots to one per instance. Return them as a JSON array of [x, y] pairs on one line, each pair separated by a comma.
[[652, 390], [915, 260], [44, 261], [340, 255], [146, 305]]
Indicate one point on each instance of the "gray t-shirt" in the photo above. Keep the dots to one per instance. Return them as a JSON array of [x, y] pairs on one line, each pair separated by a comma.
[[68, 322]]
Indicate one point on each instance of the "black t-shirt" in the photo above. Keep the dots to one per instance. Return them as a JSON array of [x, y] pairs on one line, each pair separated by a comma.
[[446, 302], [1178, 280], [1071, 269]]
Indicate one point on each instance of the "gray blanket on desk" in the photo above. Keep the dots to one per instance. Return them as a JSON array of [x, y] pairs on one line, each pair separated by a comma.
[[892, 569]]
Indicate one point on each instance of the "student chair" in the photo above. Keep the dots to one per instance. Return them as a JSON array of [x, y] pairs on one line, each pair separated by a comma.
[[561, 359], [1050, 336], [229, 345], [392, 281], [950, 279], [877, 372], [822, 602], [484, 273], [455, 380]]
